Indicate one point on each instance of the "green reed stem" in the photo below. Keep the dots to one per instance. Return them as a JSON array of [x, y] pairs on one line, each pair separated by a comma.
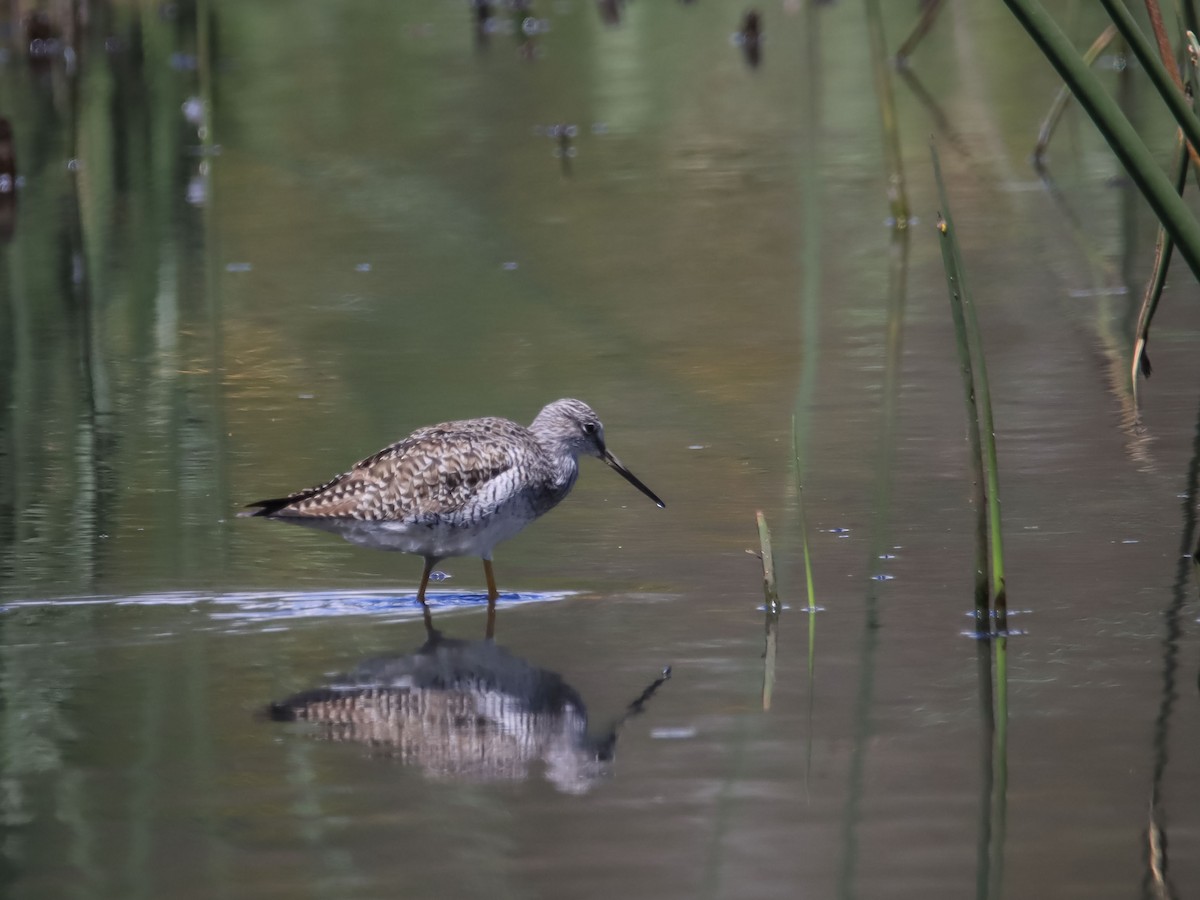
[[1167, 82], [1116, 128], [1191, 20], [988, 540], [897, 196]]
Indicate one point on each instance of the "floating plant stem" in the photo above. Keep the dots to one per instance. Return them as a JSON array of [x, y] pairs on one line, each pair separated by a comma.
[[770, 653], [770, 591], [955, 282], [771, 594], [922, 28], [1163, 248], [1114, 126], [1064, 95], [897, 197]]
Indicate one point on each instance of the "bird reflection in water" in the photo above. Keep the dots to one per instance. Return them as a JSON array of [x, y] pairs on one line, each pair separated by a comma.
[[463, 709], [610, 11], [483, 20]]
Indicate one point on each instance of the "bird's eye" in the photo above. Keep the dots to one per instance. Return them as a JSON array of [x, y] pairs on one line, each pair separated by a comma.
[[589, 427]]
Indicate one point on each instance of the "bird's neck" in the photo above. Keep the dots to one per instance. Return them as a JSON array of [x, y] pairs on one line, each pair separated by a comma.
[[566, 470]]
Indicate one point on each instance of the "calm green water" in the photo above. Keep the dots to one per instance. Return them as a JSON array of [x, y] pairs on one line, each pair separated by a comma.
[[374, 233]]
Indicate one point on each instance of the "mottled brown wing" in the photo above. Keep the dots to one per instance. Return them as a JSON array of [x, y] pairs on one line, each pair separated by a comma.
[[431, 472]]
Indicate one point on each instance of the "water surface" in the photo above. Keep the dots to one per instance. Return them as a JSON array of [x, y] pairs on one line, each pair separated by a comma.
[[374, 232]]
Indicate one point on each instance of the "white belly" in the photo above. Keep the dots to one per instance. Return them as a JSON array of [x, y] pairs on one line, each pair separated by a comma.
[[438, 540]]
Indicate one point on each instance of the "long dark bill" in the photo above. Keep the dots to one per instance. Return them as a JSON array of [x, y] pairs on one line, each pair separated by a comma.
[[631, 478]]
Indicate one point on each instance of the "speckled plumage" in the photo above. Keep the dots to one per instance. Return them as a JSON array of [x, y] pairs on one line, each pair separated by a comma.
[[455, 489]]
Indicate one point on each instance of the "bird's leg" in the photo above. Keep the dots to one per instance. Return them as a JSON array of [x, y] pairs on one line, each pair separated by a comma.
[[490, 631], [429, 564], [491, 580]]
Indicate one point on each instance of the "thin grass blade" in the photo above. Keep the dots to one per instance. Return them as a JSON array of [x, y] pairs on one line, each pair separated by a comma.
[[956, 283]]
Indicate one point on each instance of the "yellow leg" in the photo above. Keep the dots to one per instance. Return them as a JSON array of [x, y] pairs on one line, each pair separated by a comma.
[[429, 563], [491, 580], [492, 595]]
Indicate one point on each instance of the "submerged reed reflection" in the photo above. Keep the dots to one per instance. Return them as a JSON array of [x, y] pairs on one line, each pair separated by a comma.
[[462, 709]]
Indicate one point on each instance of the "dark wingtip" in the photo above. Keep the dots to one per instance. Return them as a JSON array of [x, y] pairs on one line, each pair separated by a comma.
[[264, 507]]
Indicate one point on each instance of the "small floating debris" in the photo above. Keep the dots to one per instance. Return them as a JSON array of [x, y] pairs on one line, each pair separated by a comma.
[[193, 111], [532, 26], [509, 266], [238, 267], [363, 267], [835, 530], [887, 555], [883, 577], [1115, 290], [305, 396], [439, 576], [697, 446]]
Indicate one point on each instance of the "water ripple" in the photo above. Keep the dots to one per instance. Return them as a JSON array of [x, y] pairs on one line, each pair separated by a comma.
[[263, 606]]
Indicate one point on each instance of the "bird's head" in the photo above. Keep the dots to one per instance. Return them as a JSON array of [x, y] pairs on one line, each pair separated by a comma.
[[574, 427]]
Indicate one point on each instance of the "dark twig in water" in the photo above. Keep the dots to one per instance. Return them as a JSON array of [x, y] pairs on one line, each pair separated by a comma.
[[1163, 248], [924, 25], [940, 121], [897, 196], [1063, 97], [751, 38]]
